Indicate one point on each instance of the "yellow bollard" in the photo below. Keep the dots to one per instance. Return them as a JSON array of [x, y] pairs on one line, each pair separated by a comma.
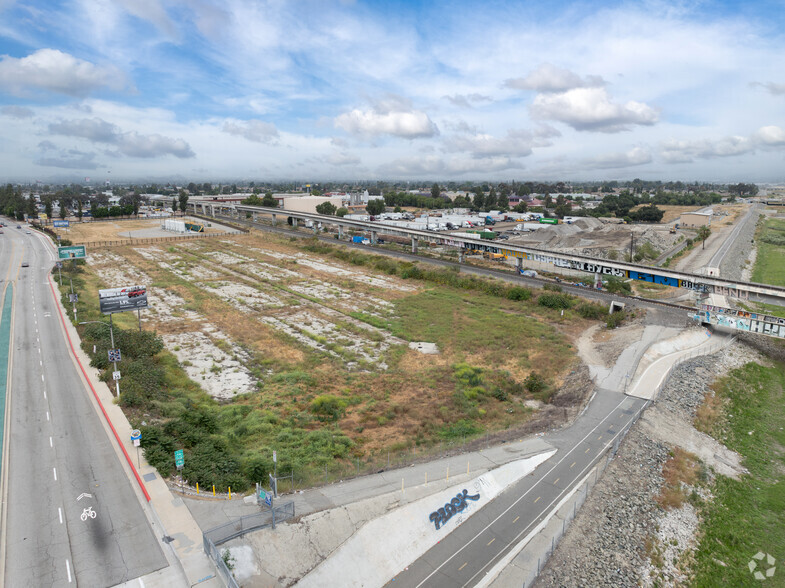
[[213, 489], [197, 487], [230, 492]]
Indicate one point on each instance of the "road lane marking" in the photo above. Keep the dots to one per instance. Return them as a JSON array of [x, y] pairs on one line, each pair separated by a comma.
[[521, 497], [41, 362], [599, 438], [516, 519], [573, 463], [536, 499], [47, 415], [60, 512], [55, 472], [587, 450], [50, 442], [556, 480], [463, 566], [68, 569], [491, 541]]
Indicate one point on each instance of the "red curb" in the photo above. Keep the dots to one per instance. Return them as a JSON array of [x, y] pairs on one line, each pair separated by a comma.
[[95, 394]]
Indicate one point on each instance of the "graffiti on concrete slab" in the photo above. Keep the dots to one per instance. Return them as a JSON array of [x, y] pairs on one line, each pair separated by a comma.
[[458, 504]]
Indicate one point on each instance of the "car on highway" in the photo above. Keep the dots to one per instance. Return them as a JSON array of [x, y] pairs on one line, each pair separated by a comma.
[[25, 264], [18, 226], [28, 232]]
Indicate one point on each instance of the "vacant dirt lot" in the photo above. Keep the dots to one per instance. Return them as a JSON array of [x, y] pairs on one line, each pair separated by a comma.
[[116, 230]]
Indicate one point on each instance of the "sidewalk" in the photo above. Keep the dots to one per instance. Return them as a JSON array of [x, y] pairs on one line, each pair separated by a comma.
[[168, 516]]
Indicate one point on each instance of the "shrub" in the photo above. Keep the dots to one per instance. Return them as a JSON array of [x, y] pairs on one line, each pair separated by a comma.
[[614, 320], [462, 428], [328, 407], [535, 383], [518, 293], [552, 287], [591, 311], [555, 300], [616, 285]]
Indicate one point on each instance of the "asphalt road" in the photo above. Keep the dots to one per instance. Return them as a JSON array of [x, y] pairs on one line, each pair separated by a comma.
[[463, 557], [59, 451]]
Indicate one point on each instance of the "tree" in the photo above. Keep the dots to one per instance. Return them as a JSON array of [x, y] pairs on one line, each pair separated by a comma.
[[479, 199], [174, 205], [63, 209], [252, 200], [183, 201], [703, 234], [79, 211], [327, 208], [269, 200], [48, 207], [648, 214], [375, 206], [342, 212], [32, 209], [521, 207], [316, 192], [435, 191]]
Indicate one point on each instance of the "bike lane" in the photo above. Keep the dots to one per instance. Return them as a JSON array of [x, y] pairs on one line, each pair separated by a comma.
[[5, 349]]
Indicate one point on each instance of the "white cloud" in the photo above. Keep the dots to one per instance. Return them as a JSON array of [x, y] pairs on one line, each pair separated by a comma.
[[342, 159], [517, 142], [772, 87], [253, 130], [633, 157], [770, 136], [549, 78], [71, 159], [391, 115], [686, 151], [153, 12], [55, 71], [130, 143], [466, 100], [591, 109], [435, 167], [17, 111]]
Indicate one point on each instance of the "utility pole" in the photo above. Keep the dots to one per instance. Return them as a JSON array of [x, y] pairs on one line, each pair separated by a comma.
[[111, 336], [631, 247]]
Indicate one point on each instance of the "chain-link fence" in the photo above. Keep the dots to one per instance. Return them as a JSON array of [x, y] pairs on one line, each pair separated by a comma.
[[216, 536]]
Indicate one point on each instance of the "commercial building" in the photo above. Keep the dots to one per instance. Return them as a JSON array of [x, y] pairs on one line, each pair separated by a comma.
[[695, 219]]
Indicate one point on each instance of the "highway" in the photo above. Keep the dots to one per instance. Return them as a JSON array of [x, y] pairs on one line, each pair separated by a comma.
[[71, 515]]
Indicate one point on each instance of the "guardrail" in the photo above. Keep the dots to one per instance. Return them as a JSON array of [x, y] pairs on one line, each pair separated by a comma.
[[216, 536]]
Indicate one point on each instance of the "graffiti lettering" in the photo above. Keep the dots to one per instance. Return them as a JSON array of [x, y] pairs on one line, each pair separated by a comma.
[[732, 292], [719, 310], [458, 504]]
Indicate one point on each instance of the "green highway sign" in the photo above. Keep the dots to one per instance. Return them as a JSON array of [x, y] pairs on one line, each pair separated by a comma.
[[179, 458], [72, 252]]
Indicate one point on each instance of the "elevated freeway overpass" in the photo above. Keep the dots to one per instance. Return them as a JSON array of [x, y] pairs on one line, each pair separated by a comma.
[[706, 284]]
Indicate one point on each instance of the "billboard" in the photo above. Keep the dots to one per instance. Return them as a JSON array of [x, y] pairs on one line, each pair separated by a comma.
[[72, 252], [122, 299], [61, 223]]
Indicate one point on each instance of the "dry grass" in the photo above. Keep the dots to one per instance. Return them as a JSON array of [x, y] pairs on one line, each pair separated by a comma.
[[682, 469], [709, 414]]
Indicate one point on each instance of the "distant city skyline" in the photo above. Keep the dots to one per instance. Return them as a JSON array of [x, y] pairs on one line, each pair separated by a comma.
[[201, 90]]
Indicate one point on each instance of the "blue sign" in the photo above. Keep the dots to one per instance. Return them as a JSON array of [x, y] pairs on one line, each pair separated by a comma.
[[61, 224]]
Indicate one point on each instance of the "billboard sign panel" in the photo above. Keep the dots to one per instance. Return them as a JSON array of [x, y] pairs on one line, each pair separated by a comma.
[[63, 224], [72, 252], [122, 299]]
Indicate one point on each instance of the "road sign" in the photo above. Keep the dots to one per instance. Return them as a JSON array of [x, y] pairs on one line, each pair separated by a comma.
[[61, 224], [115, 376], [179, 458], [114, 355], [275, 457], [72, 252], [268, 500], [136, 437], [73, 298], [59, 264]]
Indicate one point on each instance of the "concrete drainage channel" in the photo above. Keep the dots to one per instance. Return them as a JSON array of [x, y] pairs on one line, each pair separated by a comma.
[[219, 535]]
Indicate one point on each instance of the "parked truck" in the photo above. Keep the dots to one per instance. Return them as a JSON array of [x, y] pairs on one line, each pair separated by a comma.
[[489, 220]]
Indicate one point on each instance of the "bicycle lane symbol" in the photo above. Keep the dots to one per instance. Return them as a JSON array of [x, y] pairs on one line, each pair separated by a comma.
[[88, 513]]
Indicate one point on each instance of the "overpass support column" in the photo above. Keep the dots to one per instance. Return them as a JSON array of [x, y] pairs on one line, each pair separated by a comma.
[[415, 242], [315, 228], [340, 231], [212, 211], [519, 264], [294, 222], [374, 237], [274, 219], [461, 256]]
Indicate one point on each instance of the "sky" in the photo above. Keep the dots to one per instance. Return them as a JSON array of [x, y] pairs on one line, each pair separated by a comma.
[[240, 90]]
